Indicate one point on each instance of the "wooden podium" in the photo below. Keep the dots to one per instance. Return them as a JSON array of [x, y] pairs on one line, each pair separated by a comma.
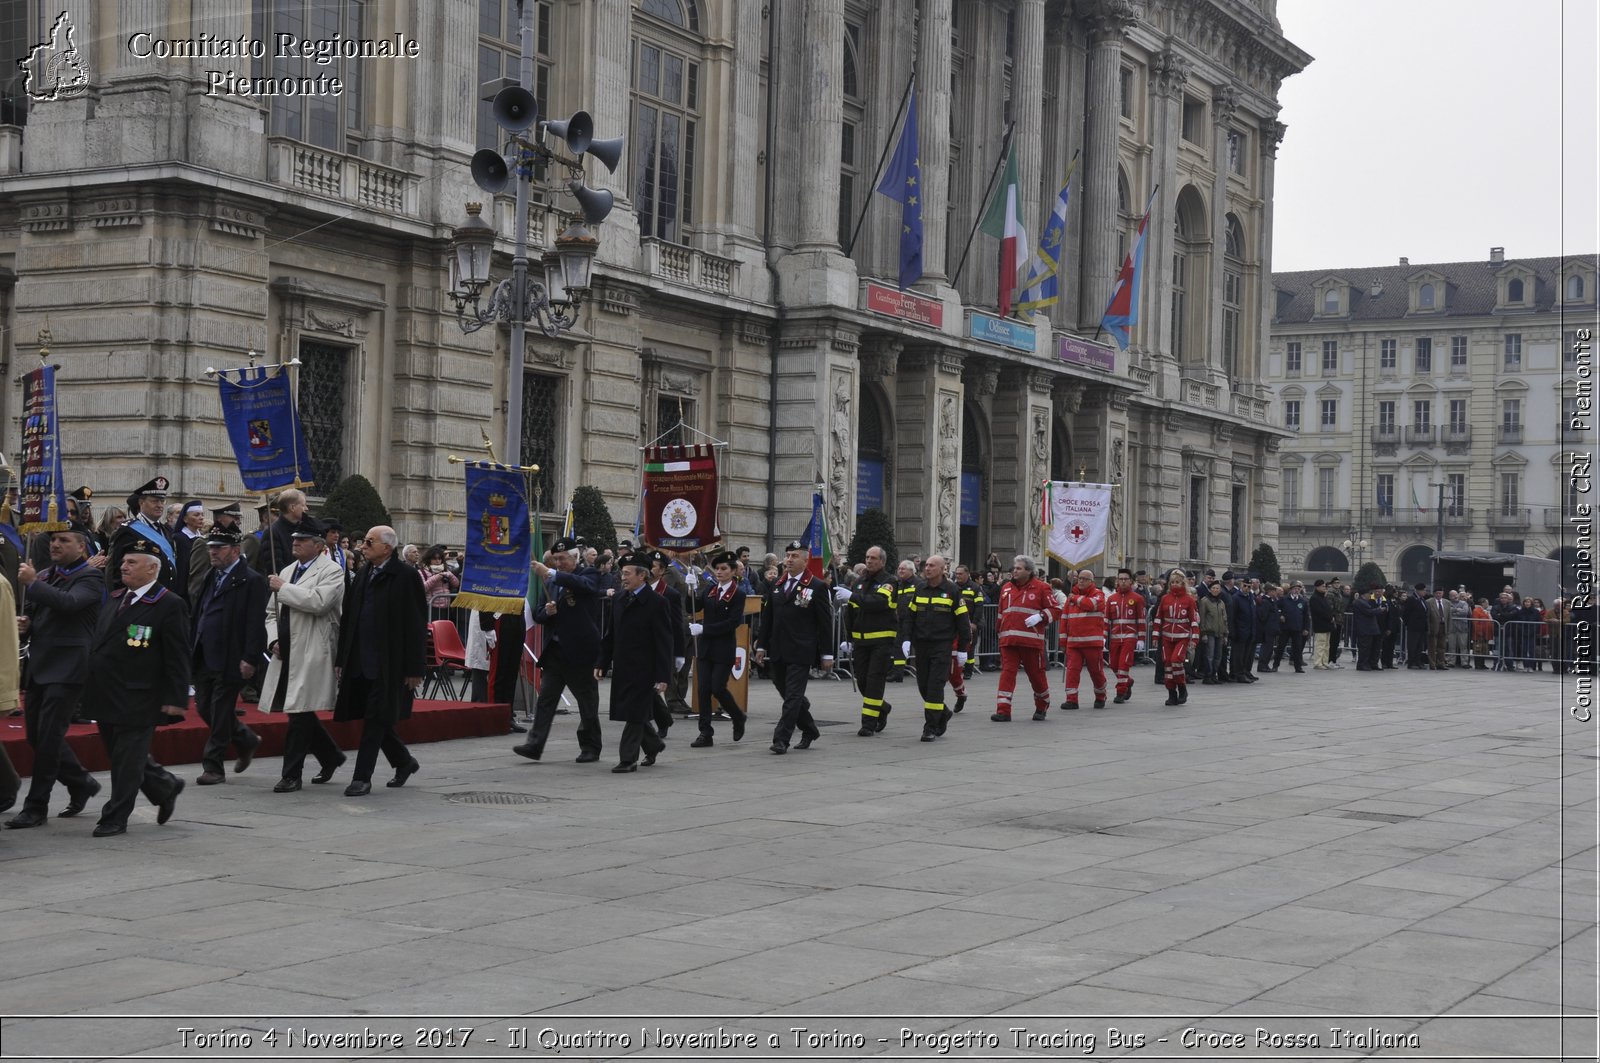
[[739, 681]]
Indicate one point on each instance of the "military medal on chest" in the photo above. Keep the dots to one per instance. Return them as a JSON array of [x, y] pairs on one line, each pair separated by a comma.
[[138, 635]]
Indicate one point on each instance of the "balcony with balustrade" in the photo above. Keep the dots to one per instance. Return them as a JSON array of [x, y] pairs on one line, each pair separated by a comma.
[[1420, 436], [1457, 438], [1316, 518], [1510, 433], [344, 178], [1410, 518], [1385, 439], [689, 267], [1510, 518]]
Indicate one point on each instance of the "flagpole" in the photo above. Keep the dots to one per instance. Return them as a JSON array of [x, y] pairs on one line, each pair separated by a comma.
[[888, 145], [1005, 147]]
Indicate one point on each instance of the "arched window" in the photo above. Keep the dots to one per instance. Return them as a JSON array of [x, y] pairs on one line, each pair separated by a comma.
[[667, 57], [1425, 297], [1330, 301], [1514, 290], [1416, 565], [1232, 296], [1574, 289], [1327, 559], [1235, 247], [850, 146], [1189, 262], [1124, 214], [871, 451]]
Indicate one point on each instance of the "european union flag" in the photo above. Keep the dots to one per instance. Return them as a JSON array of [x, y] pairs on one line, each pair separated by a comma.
[[903, 182]]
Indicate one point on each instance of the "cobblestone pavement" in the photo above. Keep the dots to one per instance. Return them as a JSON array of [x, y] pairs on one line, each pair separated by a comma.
[[1407, 858]]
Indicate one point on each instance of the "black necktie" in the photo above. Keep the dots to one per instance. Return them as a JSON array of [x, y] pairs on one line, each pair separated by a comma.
[[127, 600], [216, 590]]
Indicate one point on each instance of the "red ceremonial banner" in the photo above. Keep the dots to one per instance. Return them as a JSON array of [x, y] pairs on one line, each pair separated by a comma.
[[680, 492]]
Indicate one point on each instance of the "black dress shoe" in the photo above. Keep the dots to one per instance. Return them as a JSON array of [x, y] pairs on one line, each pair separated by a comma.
[[327, 771], [587, 758], [961, 702], [779, 749], [25, 819], [246, 756], [165, 809], [1000, 717], [358, 788], [623, 769], [1099, 703], [77, 802], [1041, 716], [739, 719], [517, 728], [649, 758], [109, 830], [928, 736], [402, 773], [807, 739], [1119, 699], [701, 742], [528, 750], [286, 786], [211, 778]]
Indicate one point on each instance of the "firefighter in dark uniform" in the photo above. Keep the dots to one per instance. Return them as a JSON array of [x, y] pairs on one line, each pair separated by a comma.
[[144, 525], [796, 624], [904, 588], [975, 601], [138, 677], [569, 612], [934, 622], [716, 637], [874, 625]]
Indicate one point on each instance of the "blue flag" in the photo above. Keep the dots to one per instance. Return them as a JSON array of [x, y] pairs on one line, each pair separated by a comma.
[[903, 182], [499, 556], [43, 496], [264, 428]]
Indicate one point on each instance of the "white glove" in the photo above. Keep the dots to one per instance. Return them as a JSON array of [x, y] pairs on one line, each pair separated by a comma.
[[1138, 647], [692, 580], [841, 594], [959, 655], [844, 647], [490, 638], [1034, 621], [677, 664], [697, 630], [905, 649]]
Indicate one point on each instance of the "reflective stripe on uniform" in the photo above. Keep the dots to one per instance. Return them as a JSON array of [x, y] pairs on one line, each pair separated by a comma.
[[876, 635], [870, 712], [933, 706]]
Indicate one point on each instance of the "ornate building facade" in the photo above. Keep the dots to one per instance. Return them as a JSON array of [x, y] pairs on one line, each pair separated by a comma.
[[1429, 401], [162, 227]]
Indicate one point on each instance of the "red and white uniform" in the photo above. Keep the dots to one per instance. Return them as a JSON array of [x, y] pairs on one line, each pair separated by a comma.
[[1022, 646], [1178, 621], [1083, 636], [1125, 610]]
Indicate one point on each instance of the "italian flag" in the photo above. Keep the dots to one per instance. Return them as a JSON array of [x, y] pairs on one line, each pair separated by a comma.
[[1003, 221], [668, 466]]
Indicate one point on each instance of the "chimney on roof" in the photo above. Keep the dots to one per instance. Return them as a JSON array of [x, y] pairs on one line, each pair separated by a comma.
[[1404, 261], [1375, 289], [1497, 256]]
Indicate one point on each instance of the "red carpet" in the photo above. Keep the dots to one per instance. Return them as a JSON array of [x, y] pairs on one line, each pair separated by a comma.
[[182, 743]]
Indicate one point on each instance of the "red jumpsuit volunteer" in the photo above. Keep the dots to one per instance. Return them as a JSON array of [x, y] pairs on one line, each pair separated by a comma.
[[1083, 634], [1027, 605], [1178, 620], [1125, 609]]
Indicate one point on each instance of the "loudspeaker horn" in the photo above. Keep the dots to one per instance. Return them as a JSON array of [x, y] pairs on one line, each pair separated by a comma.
[[596, 202], [577, 131], [489, 170], [515, 108], [607, 151]]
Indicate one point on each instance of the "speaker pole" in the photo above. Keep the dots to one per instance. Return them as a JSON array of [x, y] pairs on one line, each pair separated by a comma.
[[519, 261]]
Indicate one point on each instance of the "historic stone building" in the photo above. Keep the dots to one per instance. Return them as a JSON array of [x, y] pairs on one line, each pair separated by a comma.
[[163, 226], [1429, 398]]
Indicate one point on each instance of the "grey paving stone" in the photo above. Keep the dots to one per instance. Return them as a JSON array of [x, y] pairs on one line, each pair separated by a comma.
[[788, 973], [1180, 972], [934, 932], [1022, 966], [102, 984], [1372, 991]]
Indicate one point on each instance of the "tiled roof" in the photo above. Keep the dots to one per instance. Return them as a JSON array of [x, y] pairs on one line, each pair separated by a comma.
[[1473, 289]]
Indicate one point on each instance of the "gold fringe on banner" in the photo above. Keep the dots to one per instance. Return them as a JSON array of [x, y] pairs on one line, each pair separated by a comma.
[[488, 603]]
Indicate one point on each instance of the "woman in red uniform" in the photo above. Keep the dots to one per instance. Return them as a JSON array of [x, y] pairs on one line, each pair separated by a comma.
[[1178, 620]]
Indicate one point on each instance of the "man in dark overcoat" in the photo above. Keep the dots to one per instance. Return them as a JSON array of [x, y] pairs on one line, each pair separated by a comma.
[[640, 641], [230, 644], [382, 658], [796, 628], [716, 634], [61, 606], [138, 677]]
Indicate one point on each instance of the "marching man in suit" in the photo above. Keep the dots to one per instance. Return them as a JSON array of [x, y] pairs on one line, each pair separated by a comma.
[[230, 643], [138, 677], [796, 625], [641, 625], [569, 612], [717, 633], [61, 606]]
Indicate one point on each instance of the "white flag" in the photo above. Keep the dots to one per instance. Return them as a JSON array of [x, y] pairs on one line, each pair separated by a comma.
[[1076, 519]]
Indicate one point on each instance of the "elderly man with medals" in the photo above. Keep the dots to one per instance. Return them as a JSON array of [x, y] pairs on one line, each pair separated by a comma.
[[796, 625]]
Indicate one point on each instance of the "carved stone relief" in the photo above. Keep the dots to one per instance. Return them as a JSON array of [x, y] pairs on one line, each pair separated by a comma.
[[839, 451], [948, 470]]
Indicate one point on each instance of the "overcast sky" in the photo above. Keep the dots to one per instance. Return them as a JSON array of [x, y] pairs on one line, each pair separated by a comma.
[[1436, 129]]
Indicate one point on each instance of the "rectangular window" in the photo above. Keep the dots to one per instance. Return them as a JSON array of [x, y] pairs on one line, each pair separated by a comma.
[[1197, 513], [1240, 525], [1291, 414], [324, 401], [1125, 86], [1179, 261], [1194, 120], [1386, 494], [1330, 414], [1327, 486], [664, 144], [1291, 490], [1571, 347], [320, 119], [1386, 355], [1514, 351], [1291, 358], [1330, 357], [1424, 358], [1574, 424], [1510, 420], [1509, 487], [1422, 414], [541, 426], [1386, 417], [1458, 352], [1232, 290], [1455, 495], [1458, 416], [500, 55]]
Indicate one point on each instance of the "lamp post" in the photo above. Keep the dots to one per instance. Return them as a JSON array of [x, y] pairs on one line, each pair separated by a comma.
[[551, 298], [1354, 547], [1438, 542]]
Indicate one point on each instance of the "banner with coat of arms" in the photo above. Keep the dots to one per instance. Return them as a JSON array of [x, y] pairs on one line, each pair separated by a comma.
[[264, 428], [680, 483], [42, 499], [494, 577], [1075, 518]]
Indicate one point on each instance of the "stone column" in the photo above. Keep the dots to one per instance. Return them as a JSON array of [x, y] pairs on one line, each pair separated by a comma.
[[928, 397], [1223, 106], [1021, 417], [1109, 22], [933, 118], [1168, 76], [1267, 139], [1027, 109], [1062, 120], [817, 371], [822, 86]]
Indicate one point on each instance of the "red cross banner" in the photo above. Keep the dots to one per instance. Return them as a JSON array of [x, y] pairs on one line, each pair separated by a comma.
[[680, 491], [1076, 516]]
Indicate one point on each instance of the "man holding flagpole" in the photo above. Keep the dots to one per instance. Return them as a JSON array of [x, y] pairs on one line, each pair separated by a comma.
[[568, 611]]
